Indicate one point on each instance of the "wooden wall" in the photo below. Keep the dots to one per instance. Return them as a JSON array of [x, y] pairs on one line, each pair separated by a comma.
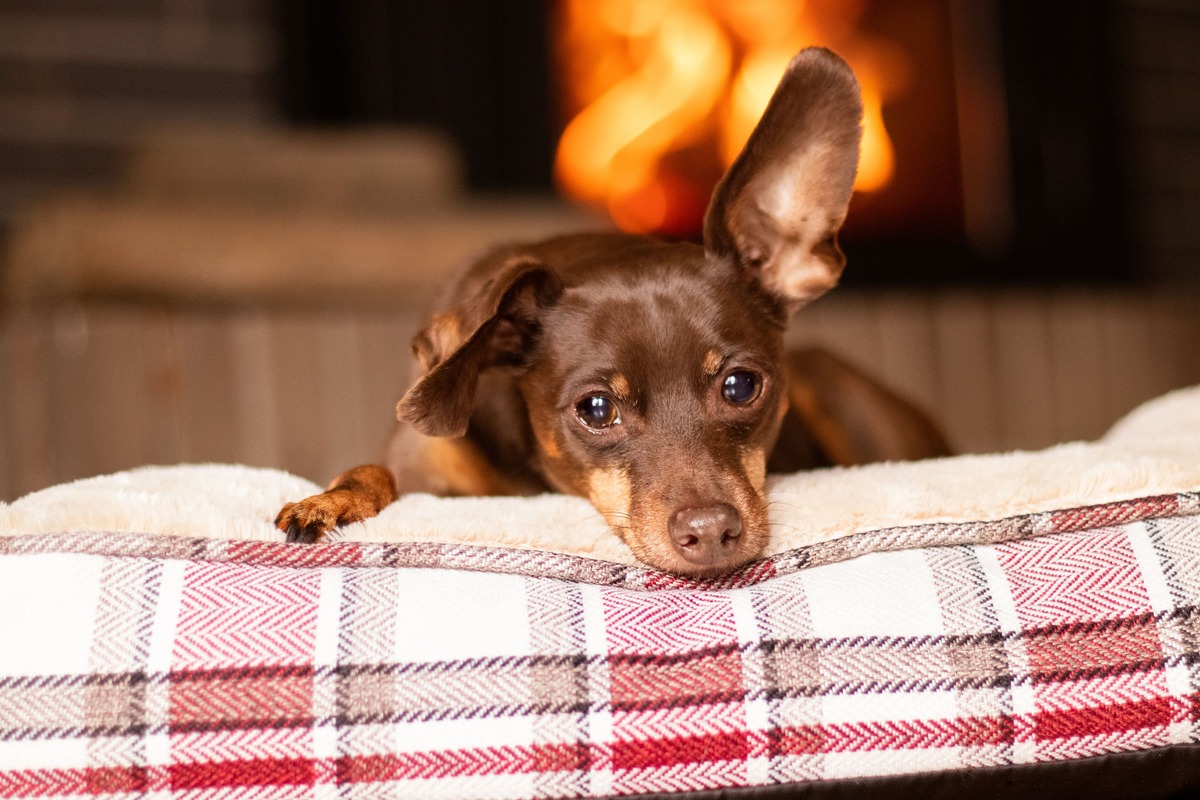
[[87, 390], [82, 81], [1158, 79]]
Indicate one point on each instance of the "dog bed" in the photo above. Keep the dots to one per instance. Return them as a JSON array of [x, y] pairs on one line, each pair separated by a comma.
[[1011, 624]]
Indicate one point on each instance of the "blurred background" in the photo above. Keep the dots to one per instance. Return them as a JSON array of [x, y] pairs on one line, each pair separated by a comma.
[[221, 221]]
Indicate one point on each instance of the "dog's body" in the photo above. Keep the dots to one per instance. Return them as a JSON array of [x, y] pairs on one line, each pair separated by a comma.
[[651, 377]]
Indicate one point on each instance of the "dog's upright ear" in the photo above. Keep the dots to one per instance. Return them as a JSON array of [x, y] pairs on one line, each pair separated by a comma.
[[778, 209], [491, 321]]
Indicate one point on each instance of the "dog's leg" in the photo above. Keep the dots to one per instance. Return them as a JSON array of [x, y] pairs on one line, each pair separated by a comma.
[[838, 415], [352, 496]]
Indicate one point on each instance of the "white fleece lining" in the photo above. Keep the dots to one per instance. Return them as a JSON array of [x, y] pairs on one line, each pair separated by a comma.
[[1154, 450]]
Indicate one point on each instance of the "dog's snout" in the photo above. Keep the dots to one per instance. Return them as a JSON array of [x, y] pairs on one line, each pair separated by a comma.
[[705, 535]]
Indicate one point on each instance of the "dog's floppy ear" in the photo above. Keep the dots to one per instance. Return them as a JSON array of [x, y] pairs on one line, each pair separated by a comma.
[[493, 323], [778, 209]]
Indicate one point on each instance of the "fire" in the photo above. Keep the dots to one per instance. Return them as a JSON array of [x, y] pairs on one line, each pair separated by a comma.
[[665, 93]]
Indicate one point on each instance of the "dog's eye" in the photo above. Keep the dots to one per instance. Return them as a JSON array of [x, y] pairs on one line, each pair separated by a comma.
[[741, 387], [597, 411]]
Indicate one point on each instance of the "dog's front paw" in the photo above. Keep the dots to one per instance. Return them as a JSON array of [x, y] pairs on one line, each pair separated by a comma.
[[314, 518], [306, 521]]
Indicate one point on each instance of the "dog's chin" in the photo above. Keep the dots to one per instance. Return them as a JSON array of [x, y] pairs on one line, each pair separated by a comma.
[[687, 569]]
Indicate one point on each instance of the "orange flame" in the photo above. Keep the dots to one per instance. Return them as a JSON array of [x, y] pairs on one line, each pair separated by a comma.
[[661, 81]]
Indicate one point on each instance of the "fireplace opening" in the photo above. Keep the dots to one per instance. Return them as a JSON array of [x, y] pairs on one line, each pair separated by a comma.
[[991, 151], [660, 98]]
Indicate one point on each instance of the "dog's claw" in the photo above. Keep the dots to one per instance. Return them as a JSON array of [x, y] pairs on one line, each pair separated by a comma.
[[306, 535], [311, 520]]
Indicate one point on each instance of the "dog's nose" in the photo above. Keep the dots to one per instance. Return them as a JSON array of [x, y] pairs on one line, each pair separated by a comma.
[[705, 535]]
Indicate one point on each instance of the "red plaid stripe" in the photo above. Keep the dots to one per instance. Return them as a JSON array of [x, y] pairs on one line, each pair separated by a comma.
[[1100, 516], [233, 613], [1060, 579]]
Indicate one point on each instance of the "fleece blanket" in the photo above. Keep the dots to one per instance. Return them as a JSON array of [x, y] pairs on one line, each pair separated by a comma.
[[982, 611]]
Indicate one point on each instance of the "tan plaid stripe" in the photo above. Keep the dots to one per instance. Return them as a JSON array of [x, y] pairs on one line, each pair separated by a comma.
[[35, 707], [559, 682], [70, 706], [458, 689]]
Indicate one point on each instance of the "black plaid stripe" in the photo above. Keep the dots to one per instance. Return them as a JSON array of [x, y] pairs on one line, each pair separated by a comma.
[[121, 631], [367, 617], [1178, 551], [129, 594]]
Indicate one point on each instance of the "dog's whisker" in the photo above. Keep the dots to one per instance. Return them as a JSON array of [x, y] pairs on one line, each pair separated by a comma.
[[606, 515], [619, 530]]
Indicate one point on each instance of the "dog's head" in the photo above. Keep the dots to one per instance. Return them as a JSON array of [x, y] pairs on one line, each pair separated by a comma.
[[650, 372]]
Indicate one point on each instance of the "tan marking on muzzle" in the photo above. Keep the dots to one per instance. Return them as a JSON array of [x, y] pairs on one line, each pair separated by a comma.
[[549, 443], [754, 464], [609, 491]]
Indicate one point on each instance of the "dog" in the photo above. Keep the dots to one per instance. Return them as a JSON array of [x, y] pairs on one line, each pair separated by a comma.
[[647, 376]]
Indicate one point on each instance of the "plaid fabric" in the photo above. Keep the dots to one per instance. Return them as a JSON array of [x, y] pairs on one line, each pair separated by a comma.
[[133, 664]]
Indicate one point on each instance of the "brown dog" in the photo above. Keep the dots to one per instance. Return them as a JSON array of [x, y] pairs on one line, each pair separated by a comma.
[[651, 377]]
